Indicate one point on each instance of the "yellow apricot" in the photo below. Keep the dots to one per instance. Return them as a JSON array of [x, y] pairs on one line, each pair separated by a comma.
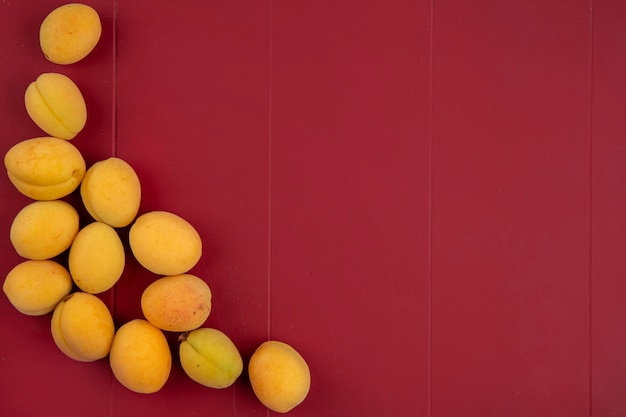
[[44, 229], [279, 376], [210, 358], [82, 327], [111, 192], [56, 105], [36, 287], [96, 259], [177, 303], [165, 243], [69, 33], [44, 168], [140, 357]]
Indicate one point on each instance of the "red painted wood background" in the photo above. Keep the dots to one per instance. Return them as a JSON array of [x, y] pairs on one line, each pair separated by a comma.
[[426, 198]]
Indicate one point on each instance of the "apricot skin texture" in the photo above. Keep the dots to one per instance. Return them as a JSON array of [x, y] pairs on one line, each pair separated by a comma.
[[96, 258], [140, 357], [279, 376], [69, 33], [44, 229], [56, 105], [165, 243], [36, 287], [82, 327], [44, 168], [111, 192], [177, 303], [210, 358]]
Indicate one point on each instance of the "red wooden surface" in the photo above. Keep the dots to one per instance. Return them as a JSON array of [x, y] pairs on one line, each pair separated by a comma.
[[426, 198]]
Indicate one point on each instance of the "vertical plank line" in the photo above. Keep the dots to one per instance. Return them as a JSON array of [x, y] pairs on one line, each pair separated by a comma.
[[430, 211], [590, 208], [114, 82], [269, 175]]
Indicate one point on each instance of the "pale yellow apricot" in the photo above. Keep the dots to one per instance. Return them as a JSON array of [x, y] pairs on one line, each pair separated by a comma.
[[96, 259], [69, 33], [279, 375], [210, 358], [82, 327], [111, 192], [165, 243], [44, 229], [44, 168], [35, 287], [140, 357], [56, 105], [177, 303]]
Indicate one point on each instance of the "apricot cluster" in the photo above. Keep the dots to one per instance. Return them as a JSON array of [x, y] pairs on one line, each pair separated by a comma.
[[49, 168]]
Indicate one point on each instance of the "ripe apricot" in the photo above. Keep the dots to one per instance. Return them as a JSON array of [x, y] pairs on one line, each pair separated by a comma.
[[140, 357], [44, 229], [44, 168], [36, 287], [177, 303], [210, 358], [165, 243], [111, 192], [279, 376], [56, 105], [96, 259], [69, 33], [82, 327]]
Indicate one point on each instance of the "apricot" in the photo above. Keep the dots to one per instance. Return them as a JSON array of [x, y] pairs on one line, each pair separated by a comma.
[[140, 357], [165, 243], [44, 229], [82, 327], [35, 288], [69, 33], [210, 358], [56, 105], [96, 259], [44, 168], [279, 376], [111, 192], [177, 303]]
